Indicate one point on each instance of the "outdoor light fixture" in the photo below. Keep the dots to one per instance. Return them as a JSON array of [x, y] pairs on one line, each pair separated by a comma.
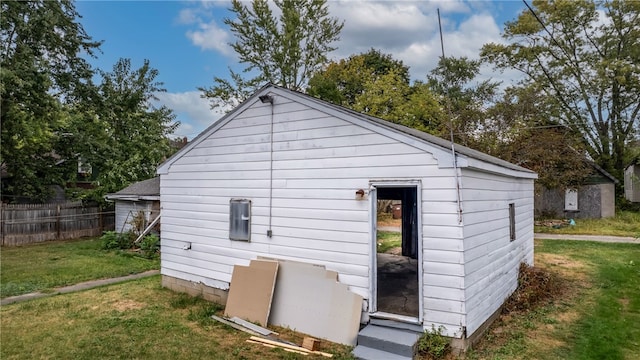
[[266, 99]]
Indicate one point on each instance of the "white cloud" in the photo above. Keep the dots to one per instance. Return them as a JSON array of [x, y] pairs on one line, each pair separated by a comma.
[[210, 36], [408, 30], [192, 111]]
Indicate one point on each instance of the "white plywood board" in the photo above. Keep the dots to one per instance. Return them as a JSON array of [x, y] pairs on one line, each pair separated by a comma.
[[309, 299]]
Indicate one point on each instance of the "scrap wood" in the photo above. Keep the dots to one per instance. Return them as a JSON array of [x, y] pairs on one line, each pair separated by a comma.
[[254, 327], [274, 346], [310, 343], [234, 325], [297, 348]]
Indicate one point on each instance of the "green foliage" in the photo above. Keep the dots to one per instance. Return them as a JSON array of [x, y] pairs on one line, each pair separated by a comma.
[[150, 246], [40, 71], [433, 345], [524, 130], [588, 69], [376, 84], [130, 135], [284, 50], [464, 100], [112, 240]]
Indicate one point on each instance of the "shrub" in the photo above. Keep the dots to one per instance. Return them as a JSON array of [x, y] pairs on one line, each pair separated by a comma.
[[150, 246], [433, 345], [113, 240]]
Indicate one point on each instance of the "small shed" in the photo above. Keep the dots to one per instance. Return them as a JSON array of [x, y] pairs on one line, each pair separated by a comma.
[[594, 199], [632, 181], [139, 202], [288, 176]]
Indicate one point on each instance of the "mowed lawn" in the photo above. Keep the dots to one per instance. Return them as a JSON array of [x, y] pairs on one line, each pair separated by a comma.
[[597, 316], [44, 266]]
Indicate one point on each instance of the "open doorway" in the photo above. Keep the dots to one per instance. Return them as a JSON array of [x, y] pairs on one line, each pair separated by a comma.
[[397, 249]]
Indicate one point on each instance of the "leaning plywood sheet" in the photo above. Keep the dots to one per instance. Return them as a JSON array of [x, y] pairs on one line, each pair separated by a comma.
[[309, 299], [251, 291]]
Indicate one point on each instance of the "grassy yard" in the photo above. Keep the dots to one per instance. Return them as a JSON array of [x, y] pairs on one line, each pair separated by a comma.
[[388, 240], [41, 267], [596, 317], [625, 223], [133, 320]]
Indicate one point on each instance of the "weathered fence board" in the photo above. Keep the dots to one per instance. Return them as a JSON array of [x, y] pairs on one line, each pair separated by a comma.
[[31, 223]]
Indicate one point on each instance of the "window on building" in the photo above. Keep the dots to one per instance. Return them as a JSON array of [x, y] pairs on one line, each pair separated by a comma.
[[512, 221], [240, 220], [571, 200]]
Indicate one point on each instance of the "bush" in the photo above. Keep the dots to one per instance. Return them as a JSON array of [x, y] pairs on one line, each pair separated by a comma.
[[113, 240], [433, 345], [150, 246]]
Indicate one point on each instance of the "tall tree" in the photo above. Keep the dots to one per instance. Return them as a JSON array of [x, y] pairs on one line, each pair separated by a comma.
[[376, 84], [584, 56], [523, 128], [464, 98], [41, 70], [285, 51], [130, 134]]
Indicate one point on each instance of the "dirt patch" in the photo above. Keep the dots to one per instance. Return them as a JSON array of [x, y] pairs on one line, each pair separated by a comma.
[[625, 303], [563, 265], [395, 251], [124, 305]]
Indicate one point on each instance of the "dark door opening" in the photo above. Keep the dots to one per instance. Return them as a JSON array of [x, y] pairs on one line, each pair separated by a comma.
[[397, 269]]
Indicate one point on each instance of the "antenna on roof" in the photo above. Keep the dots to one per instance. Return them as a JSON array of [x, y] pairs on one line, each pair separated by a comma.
[[447, 104]]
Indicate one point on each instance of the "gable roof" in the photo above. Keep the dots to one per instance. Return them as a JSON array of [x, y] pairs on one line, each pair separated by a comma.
[[474, 158], [142, 190]]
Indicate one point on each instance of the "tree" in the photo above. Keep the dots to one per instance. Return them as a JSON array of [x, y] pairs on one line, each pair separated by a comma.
[[376, 84], [284, 51], [41, 70], [125, 137], [523, 128], [465, 99], [584, 56], [343, 81]]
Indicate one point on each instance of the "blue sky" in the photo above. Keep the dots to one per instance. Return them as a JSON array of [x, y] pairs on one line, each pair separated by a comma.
[[187, 41]]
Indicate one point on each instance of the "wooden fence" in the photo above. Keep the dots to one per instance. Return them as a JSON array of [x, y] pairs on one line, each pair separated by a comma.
[[31, 223]]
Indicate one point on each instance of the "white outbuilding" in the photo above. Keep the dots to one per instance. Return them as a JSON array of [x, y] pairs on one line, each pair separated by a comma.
[[288, 176]]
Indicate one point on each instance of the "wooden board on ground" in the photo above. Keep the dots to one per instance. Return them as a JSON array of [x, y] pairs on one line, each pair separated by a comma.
[[251, 291], [309, 299]]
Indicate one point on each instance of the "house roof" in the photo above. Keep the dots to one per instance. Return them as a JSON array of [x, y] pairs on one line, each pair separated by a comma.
[[142, 190], [347, 114]]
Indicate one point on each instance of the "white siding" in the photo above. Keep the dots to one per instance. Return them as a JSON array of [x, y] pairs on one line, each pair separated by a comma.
[[491, 259], [126, 210], [319, 161]]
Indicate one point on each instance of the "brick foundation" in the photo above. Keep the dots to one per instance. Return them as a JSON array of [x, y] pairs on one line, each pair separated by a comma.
[[208, 293]]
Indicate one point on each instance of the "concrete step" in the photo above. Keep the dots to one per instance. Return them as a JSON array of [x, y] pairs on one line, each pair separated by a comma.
[[397, 325], [367, 353], [392, 340]]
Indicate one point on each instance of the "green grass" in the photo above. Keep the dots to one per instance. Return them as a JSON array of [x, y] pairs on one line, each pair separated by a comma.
[[42, 267], [132, 320], [388, 240], [596, 317], [609, 323], [625, 223]]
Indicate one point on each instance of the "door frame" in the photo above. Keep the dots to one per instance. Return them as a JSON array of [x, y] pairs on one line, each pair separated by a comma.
[[373, 268]]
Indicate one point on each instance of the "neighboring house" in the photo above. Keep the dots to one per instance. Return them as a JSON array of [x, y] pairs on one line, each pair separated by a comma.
[[141, 200], [596, 198], [632, 181], [285, 175]]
